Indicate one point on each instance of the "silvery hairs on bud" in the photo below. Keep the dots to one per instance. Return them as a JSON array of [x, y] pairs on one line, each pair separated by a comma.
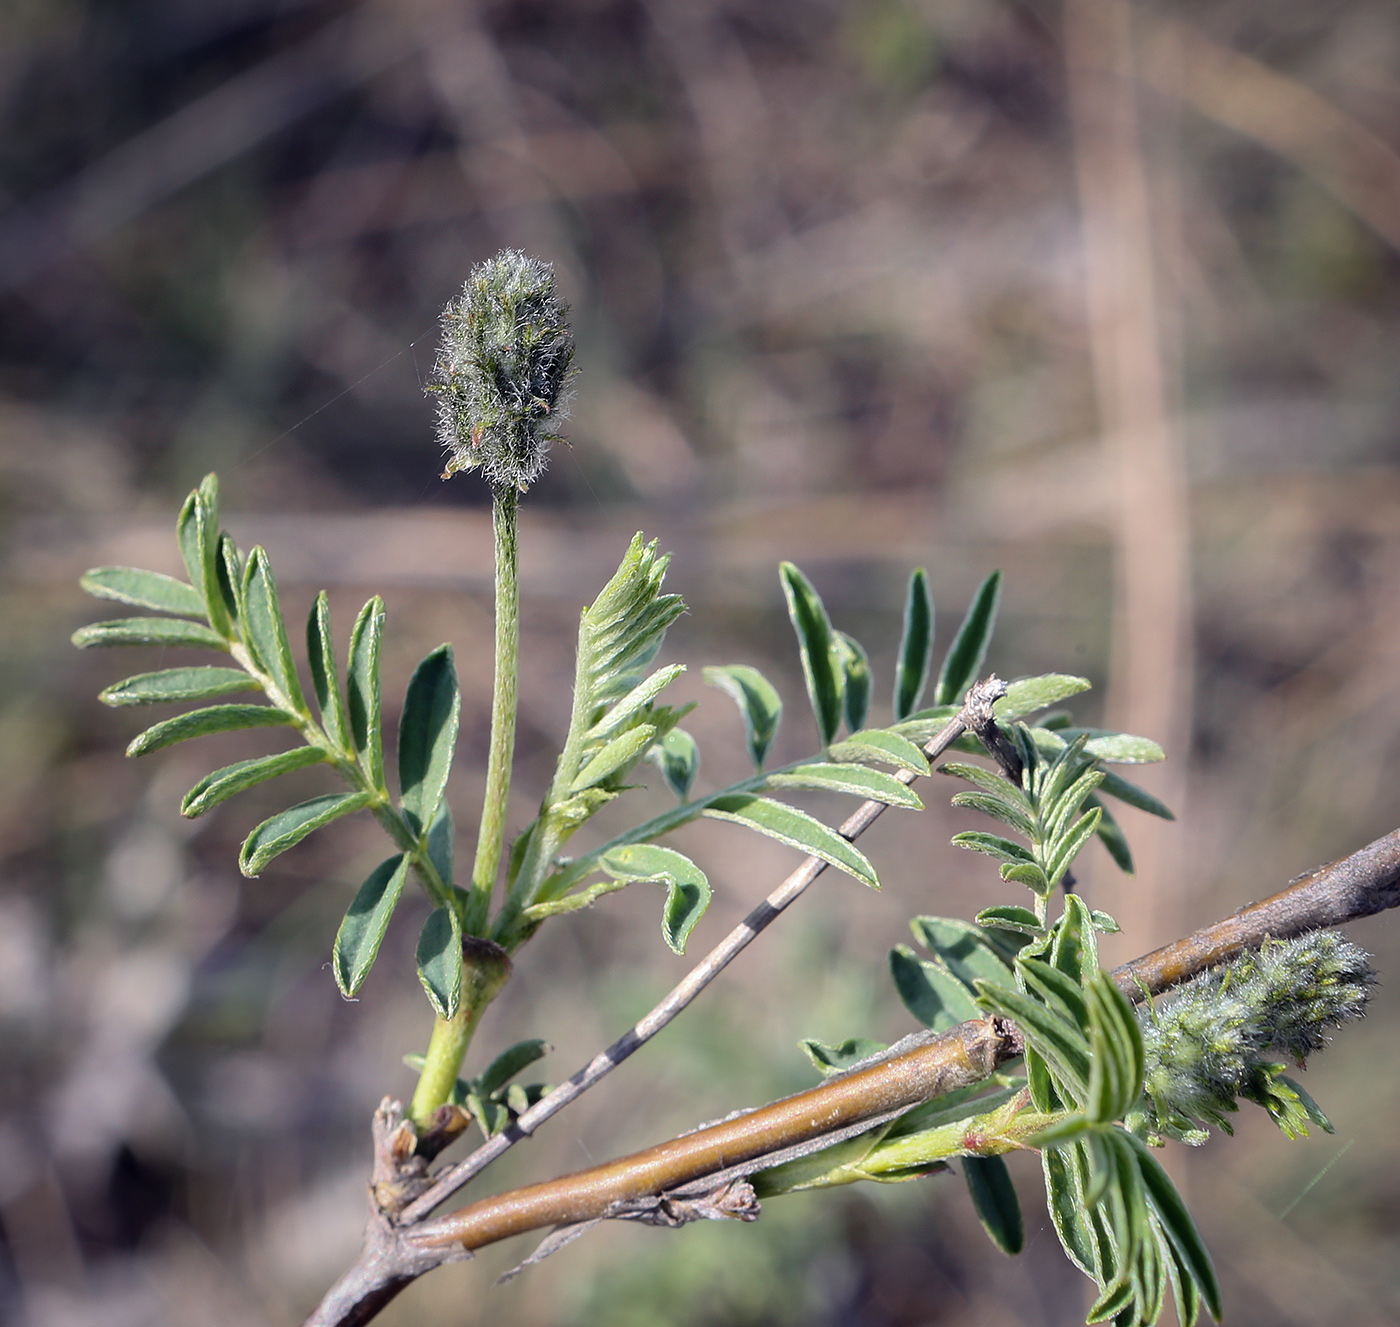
[[501, 370]]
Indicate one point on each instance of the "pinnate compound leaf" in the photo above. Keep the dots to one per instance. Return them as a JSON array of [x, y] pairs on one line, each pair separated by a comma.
[[148, 631], [614, 757], [286, 829], [858, 780], [994, 1197], [362, 690], [428, 736], [880, 746], [678, 757], [969, 647], [199, 723], [915, 647], [758, 702], [795, 828], [932, 994], [264, 629], [1037, 693], [224, 783], [175, 684], [855, 664], [439, 961], [143, 589], [325, 676], [821, 663], [687, 888], [362, 931], [837, 1059]]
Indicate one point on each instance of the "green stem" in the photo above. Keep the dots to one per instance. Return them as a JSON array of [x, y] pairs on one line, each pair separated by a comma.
[[491, 834], [485, 969]]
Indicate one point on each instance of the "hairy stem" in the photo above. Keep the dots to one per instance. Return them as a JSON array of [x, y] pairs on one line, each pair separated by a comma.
[[491, 833]]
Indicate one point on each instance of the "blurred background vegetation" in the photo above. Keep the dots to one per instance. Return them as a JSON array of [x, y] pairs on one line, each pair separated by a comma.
[[1106, 296]]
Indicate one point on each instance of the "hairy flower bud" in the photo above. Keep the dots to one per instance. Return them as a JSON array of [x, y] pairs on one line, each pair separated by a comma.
[[501, 370], [1206, 1045]]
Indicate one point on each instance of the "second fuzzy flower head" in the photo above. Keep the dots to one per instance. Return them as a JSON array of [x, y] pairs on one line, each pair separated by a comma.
[[505, 360]]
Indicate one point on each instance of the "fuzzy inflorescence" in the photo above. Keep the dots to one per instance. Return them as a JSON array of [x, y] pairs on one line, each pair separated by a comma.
[[1208, 1044], [501, 370]]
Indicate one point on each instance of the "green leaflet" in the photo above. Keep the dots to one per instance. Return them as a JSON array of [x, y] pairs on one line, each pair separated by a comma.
[[265, 632], [143, 589], [859, 780], [213, 719], [362, 930], [994, 1197], [428, 736], [1119, 748], [758, 702], [966, 950], [1118, 787], [1177, 1225], [915, 647], [230, 576], [821, 663], [678, 757], [1111, 836], [931, 993], [439, 961], [1069, 845], [880, 746], [1052, 1036], [687, 888], [1037, 693], [615, 757], [1115, 1045], [440, 844], [999, 808], [837, 1059], [325, 676], [224, 783], [855, 665], [795, 828], [286, 829], [969, 648], [362, 690], [509, 1063], [632, 703], [1007, 917], [175, 684], [994, 845], [198, 533], [148, 631]]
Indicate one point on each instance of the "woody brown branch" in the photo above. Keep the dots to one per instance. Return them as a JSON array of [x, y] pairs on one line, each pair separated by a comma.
[[1357, 886]]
